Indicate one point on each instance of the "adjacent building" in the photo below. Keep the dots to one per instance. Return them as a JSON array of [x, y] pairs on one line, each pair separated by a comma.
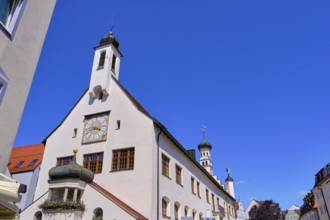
[[140, 170], [23, 26], [321, 192], [240, 212], [308, 211], [24, 167], [293, 213]]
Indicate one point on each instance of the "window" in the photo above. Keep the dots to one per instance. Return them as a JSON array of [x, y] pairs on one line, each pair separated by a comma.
[[37, 216], [100, 95], [64, 160], [178, 171], [33, 162], [113, 64], [9, 14], [102, 60], [207, 195], [19, 164], [118, 125], [176, 211], [165, 166], [94, 162], [200, 216], [186, 211], [98, 214], [218, 203], [198, 190], [192, 185], [3, 82], [123, 159], [213, 204], [194, 214], [74, 134], [165, 203]]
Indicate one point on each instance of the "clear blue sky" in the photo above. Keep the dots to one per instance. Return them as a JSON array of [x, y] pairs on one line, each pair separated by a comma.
[[256, 73]]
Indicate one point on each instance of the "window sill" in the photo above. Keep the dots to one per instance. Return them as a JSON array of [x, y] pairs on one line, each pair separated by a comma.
[[115, 171], [100, 67], [165, 216], [180, 184], [167, 177]]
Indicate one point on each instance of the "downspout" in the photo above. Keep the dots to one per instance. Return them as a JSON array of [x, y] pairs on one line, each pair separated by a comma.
[[160, 132]]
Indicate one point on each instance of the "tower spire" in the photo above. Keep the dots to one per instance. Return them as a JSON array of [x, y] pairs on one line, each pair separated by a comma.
[[203, 130], [205, 153]]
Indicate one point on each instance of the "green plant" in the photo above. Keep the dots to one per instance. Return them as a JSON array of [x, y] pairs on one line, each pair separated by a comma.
[[62, 205], [97, 218]]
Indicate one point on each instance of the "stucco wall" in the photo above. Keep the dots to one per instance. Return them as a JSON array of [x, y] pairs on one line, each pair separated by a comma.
[[136, 131], [19, 55], [183, 194]]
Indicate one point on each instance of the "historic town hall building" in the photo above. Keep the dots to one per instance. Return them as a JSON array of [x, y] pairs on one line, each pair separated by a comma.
[[126, 164]]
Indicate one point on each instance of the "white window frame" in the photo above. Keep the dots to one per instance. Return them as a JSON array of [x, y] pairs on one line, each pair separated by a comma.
[[13, 19]]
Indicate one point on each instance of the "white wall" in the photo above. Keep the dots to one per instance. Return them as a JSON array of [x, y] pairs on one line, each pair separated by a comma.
[[18, 59], [183, 194], [30, 180], [136, 131]]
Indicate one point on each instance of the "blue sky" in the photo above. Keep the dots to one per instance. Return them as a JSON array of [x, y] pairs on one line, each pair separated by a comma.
[[256, 73]]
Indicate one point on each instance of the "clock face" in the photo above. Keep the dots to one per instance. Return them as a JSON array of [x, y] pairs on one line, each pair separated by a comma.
[[95, 128]]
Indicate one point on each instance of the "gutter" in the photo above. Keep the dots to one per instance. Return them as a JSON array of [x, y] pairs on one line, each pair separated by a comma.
[[160, 132]]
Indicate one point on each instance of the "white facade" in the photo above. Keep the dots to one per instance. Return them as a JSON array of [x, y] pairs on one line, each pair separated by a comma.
[[22, 34], [124, 124], [240, 212], [29, 179], [321, 192]]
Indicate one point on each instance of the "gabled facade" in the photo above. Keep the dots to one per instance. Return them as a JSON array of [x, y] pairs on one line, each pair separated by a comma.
[[133, 156]]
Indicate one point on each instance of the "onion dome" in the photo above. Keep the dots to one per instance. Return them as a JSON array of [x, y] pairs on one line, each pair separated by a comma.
[[229, 177], [109, 39], [204, 144], [71, 171]]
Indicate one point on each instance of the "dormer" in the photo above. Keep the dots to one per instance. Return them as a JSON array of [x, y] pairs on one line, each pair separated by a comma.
[[106, 65]]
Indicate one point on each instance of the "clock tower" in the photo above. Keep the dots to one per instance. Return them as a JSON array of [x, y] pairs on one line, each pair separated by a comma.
[[105, 65]]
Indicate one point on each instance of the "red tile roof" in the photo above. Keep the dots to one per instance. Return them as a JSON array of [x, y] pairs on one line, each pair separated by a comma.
[[118, 202], [26, 154]]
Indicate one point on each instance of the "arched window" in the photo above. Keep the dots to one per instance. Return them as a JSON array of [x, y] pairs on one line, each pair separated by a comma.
[[177, 211], [200, 216], [186, 211], [194, 214], [37, 216], [165, 207], [98, 214]]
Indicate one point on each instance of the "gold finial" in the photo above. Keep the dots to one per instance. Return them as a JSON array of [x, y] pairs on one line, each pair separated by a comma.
[[75, 150], [111, 33]]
